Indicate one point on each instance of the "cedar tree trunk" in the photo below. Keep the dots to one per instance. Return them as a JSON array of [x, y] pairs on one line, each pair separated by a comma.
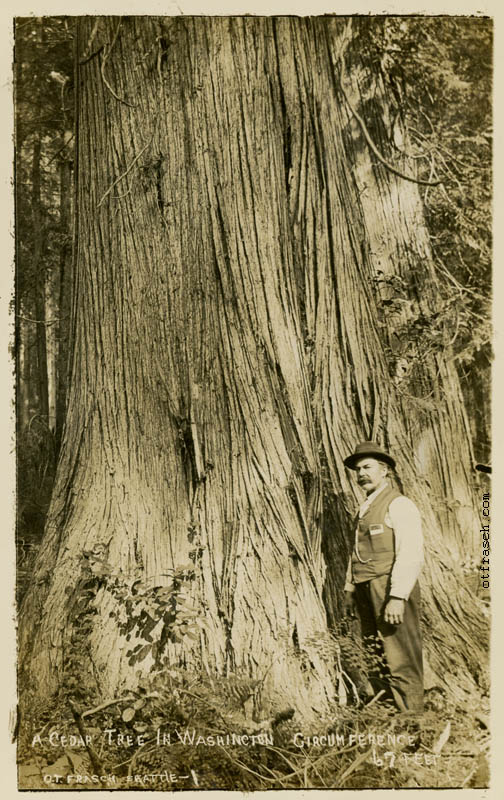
[[230, 347]]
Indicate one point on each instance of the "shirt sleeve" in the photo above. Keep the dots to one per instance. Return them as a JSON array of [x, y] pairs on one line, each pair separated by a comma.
[[349, 584], [404, 517]]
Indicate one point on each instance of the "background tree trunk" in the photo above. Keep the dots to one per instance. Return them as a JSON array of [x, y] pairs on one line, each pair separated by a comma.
[[229, 349], [64, 301], [40, 300]]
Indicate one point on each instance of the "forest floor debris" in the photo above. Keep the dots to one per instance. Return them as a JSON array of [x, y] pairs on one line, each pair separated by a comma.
[[163, 738]]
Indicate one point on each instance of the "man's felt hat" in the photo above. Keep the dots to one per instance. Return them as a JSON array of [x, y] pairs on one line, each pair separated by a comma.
[[369, 450]]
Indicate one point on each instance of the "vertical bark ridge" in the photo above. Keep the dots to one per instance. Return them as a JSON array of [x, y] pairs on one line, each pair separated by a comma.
[[228, 346]]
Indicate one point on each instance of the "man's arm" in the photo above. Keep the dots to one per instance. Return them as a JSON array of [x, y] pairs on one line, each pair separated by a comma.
[[349, 584], [406, 522], [349, 589]]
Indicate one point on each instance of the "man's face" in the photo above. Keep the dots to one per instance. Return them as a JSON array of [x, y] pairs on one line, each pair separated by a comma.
[[370, 473]]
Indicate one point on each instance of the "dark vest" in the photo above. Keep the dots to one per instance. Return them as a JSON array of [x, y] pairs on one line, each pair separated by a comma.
[[375, 541]]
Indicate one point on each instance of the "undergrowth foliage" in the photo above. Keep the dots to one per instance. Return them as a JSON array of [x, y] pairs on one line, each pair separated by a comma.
[[210, 731], [149, 615], [188, 725]]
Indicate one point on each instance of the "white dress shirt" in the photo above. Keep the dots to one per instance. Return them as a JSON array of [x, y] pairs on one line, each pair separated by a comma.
[[404, 518]]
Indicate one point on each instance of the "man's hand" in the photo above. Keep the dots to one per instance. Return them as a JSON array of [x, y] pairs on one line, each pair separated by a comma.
[[394, 611], [349, 604]]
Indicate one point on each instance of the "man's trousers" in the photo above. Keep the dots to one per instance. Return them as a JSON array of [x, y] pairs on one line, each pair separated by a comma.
[[402, 644]]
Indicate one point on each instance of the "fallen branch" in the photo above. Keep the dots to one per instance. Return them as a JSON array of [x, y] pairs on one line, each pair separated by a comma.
[[375, 698], [353, 766], [313, 764], [46, 322], [87, 50], [248, 769], [445, 735], [369, 140], [108, 703], [347, 677], [468, 777], [114, 184], [95, 761], [106, 52], [92, 55]]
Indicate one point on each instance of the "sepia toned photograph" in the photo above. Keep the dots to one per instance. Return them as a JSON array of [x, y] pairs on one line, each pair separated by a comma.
[[253, 349]]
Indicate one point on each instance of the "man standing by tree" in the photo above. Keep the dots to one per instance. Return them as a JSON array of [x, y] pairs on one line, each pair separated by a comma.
[[383, 570]]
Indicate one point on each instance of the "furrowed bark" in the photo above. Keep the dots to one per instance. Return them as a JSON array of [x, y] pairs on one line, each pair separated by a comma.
[[227, 352]]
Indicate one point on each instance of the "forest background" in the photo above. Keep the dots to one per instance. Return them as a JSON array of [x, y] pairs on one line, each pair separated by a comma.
[[456, 135]]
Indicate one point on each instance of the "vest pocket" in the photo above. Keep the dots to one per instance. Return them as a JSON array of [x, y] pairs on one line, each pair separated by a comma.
[[380, 539], [379, 543]]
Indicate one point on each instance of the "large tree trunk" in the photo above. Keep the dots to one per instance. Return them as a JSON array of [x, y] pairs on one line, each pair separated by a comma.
[[227, 352]]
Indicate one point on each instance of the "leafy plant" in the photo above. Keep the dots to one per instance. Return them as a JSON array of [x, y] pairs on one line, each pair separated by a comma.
[[150, 615]]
